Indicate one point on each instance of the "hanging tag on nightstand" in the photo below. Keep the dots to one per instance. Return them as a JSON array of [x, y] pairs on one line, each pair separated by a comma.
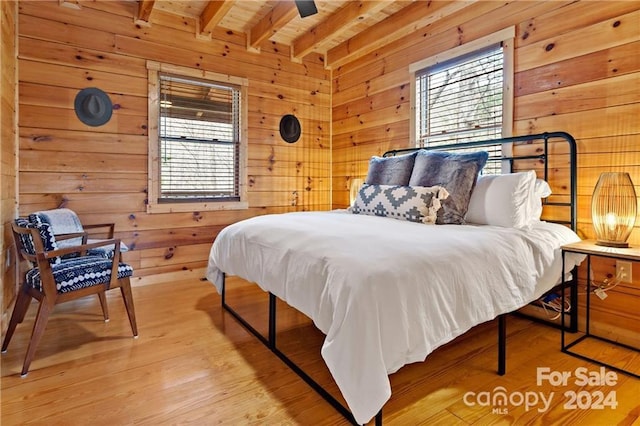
[[600, 293]]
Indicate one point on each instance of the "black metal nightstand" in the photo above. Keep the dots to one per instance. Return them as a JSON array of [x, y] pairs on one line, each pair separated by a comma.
[[589, 248]]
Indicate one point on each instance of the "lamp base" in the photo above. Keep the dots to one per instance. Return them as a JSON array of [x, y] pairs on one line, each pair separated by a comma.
[[622, 244]]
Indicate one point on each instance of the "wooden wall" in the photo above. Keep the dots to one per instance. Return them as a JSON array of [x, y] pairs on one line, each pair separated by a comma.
[[580, 75], [8, 151], [101, 172]]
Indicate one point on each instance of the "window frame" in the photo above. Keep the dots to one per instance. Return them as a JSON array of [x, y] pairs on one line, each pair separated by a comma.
[[154, 205], [507, 38]]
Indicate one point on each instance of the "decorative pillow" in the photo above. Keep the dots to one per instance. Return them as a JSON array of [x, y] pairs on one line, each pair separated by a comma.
[[503, 200], [390, 170], [541, 189], [411, 203], [27, 241], [47, 237], [62, 221], [457, 173]]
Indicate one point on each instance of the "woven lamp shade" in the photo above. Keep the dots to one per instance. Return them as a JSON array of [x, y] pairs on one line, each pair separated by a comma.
[[613, 209]]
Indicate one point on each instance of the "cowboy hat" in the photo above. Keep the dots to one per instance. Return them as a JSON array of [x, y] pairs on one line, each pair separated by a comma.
[[290, 128], [93, 106]]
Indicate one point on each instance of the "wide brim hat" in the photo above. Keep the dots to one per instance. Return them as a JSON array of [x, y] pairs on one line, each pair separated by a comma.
[[290, 128], [93, 106]]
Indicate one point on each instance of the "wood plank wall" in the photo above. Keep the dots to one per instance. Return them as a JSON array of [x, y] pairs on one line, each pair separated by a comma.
[[580, 75], [101, 172], [8, 150]]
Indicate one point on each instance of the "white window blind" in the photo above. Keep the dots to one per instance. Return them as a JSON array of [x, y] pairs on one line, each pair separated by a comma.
[[199, 132], [460, 100]]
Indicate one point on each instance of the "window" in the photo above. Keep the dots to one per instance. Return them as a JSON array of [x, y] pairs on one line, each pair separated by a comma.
[[199, 134], [461, 99], [197, 143], [464, 95]]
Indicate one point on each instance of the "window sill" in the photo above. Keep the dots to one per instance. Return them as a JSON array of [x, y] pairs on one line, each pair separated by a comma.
[[199, 207]]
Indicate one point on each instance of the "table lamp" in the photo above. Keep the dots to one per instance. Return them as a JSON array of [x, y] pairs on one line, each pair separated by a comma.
[[613, 209]]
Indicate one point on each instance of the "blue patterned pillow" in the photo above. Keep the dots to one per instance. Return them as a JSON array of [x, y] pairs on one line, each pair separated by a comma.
[[47, 237], [457, 173], [412, 203]]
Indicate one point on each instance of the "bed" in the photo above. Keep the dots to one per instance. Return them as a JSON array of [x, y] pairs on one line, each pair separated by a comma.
[[388, 292]]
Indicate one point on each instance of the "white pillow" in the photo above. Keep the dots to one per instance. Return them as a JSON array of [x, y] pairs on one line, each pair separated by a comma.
[[503, 200], [541, 189]]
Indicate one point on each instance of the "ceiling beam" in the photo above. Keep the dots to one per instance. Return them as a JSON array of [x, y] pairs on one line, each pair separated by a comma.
[[213, 13], [340, 21], [406, 21], [145, 7], [282, 13]]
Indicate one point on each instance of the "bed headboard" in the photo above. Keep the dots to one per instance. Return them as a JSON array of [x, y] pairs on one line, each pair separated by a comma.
[[555, 150]]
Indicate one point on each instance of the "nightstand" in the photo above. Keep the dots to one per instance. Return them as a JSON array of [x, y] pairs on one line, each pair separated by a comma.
[[589, 248]]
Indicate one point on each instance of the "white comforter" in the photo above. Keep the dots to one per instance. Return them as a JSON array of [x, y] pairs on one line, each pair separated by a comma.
[[388, 292]]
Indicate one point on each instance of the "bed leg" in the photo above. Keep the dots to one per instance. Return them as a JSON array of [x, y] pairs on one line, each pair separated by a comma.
[[224, 281], [379, 418], [502, 345], [272, 320], [270, 342]]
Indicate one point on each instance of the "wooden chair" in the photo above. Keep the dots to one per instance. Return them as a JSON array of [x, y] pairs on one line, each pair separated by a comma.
[[51, 278]]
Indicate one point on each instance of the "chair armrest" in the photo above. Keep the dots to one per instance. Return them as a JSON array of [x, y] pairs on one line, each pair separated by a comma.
[[82, 249], [111, 227], [61, 237]]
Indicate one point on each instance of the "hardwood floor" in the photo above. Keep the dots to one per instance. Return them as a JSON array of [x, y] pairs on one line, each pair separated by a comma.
[[195, 364]]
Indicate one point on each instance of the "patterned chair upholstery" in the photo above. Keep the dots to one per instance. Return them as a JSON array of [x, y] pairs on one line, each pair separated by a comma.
[[66, 226], [46, 237], [77, 272], [51, 277]]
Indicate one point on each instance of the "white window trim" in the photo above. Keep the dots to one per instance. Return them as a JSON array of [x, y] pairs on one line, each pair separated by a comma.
[[506, 37], [153, 188]]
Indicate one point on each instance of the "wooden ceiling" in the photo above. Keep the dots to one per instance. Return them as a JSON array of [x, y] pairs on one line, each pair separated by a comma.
[[340, 31]]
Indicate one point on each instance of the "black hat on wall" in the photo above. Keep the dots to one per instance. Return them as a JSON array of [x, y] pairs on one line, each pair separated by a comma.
[[93, 106], [290, 128]]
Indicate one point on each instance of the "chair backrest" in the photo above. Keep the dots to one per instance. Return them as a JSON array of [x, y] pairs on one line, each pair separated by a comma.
[[61, 221], [64, 222], [30, 238]]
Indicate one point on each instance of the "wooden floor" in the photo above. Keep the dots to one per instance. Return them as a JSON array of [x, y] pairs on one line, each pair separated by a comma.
[[195, 364]]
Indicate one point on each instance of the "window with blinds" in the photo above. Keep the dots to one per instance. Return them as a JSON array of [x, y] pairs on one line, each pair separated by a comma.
[[461, 100], [199, 137]]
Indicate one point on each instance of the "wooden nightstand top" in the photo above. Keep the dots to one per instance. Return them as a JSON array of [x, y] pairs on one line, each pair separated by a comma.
[[590, 247]]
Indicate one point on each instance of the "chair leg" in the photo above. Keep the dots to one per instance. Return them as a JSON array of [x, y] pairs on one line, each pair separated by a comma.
[[38, 330], [103, 302], [125, 289], [17, 316]]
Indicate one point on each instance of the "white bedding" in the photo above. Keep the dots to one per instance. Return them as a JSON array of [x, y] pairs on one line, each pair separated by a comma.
[[387, 292]]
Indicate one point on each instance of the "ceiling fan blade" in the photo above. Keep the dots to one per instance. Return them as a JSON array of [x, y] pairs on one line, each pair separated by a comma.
[[306, 8]]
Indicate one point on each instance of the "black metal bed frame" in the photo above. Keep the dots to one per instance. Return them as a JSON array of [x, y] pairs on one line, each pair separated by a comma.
[[270, 340]]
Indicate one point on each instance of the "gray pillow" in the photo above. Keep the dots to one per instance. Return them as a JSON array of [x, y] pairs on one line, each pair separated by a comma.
[[457, 173], [390, 170]]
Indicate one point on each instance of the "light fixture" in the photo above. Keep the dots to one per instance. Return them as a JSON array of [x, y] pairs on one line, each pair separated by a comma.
[[306, 8], [613, 209], [354, 188]]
